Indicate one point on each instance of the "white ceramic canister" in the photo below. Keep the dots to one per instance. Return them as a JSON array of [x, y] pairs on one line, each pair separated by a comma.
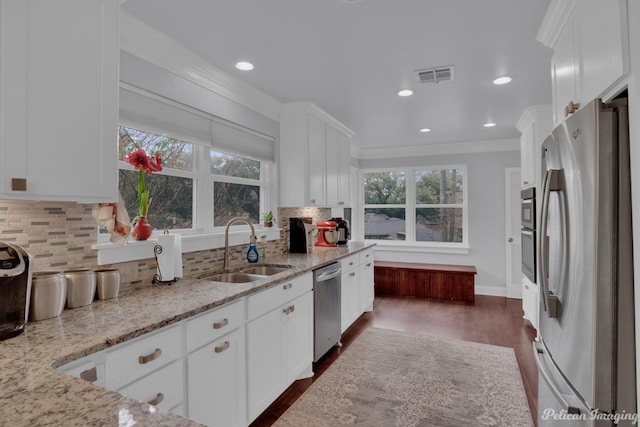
[[81, 287], [48, 295], [107, 283]]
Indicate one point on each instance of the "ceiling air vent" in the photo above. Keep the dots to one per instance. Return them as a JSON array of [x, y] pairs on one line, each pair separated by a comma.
[[435, 75]]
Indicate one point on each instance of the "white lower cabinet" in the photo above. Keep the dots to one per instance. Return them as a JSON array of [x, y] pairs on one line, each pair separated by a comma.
[[356, 287], [162, 388], [279, 343], [349, 297], [530, 305], [366, 281], [216, 386]]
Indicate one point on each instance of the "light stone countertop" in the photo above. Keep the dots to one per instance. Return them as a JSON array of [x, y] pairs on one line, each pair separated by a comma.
[[33, 393]]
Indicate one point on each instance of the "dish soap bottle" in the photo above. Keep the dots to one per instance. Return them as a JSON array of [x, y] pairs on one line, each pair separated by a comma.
[[252, 253]]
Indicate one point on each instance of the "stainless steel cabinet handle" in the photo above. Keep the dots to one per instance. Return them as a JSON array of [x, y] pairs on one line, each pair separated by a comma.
[[156, 400], [353, 273], [90, 375], [341, 203], [368, 264], [288, 286], [351, 263], [221, 324], [149, 357], [510, 239], [223, 347], [289, 310]]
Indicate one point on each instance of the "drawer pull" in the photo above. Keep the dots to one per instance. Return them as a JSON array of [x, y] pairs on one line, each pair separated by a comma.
[[353, 273], [288, 286], [368, 264], [90, 375], [223, 347], [221, 324], [156, 400], [351, 263], [571, 108], [149, 357], [289, 309]]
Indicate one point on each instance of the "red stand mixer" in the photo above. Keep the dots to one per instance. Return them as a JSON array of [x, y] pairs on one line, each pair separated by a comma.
[[327, 233]]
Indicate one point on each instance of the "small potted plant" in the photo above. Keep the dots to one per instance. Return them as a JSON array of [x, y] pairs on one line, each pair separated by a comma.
[[268, 219]]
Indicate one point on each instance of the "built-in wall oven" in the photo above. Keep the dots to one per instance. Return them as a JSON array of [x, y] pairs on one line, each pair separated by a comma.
[[528, 232]]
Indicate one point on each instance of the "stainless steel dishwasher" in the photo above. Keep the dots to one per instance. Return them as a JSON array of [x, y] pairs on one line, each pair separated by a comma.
[[326, 309]]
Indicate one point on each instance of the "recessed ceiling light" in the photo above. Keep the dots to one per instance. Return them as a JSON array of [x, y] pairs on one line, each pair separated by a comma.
[[405, 92], [424, 130], [244, 66], [502, 80], [489, 125]]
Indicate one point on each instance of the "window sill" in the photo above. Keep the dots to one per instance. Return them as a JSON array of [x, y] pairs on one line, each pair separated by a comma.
[[108, 253], [382, 245]]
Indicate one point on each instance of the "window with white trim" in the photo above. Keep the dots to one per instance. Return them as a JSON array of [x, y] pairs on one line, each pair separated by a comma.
[[186, 196], [425, 206]]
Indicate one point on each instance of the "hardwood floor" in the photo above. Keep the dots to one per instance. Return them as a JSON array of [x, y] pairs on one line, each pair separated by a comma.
[[489, 320]]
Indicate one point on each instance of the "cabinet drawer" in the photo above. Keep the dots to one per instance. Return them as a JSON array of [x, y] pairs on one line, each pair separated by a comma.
[[350, 262], [162, 388], [130, 361], [214, 324], [366, 256], [265, 301], [90, 368]]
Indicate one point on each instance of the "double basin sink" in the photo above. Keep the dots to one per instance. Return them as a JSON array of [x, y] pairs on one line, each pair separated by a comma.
[[247, 275]]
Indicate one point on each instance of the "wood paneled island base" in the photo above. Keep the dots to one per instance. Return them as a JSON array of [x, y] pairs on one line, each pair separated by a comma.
[[425, 280]]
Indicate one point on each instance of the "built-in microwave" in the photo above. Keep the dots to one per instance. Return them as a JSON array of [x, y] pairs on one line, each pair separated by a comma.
[[528, 208], [528, 232]]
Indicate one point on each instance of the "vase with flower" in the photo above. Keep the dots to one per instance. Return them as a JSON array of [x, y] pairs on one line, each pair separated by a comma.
[[145, 165]]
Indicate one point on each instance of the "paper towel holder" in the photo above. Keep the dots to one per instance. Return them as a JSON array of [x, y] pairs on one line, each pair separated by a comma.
[[157, 278]]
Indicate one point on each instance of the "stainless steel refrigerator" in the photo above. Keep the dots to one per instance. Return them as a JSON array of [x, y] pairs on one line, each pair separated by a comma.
[[586, 348]]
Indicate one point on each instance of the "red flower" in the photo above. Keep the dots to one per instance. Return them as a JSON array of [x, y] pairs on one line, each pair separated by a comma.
[[155, 164], [138, 159]]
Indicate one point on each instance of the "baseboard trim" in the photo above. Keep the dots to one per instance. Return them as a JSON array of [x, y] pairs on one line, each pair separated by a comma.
[[491, 291]]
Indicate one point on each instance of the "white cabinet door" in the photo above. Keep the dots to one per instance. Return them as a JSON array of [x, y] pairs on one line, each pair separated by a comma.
[[602, 45], [216, 382], [163, 388], [366, 285], [564, 74], [350, 304], [265, 355], [527, 155], [298, 336], [530, 302], [59, 99], [332, 169], [344, 184], [317, 161]]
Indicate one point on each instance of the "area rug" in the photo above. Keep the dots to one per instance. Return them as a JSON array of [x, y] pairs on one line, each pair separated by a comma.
[[391, 378]]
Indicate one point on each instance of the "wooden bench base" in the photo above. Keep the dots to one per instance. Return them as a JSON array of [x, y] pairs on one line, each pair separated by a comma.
[[425, 280]]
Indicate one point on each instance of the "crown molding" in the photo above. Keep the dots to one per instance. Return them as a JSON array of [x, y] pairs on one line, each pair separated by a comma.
[[153, 46], [533, 114], [558, 16], [328, 118], [507, 144]]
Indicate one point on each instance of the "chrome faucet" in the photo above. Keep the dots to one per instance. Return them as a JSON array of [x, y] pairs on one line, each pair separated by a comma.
[[226, 237]]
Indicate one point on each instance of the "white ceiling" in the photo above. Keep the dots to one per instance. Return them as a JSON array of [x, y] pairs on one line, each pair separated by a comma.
[[350, 57]]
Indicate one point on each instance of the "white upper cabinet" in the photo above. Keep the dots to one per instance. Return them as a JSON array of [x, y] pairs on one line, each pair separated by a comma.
[[535, 124], [315, 157], [59, 99], [590, 45]]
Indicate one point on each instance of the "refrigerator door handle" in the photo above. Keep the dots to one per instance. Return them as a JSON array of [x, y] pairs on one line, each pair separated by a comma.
[[551, 183], [538, 353]]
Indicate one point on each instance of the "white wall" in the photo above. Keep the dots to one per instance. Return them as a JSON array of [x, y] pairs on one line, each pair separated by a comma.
[[486, 192]]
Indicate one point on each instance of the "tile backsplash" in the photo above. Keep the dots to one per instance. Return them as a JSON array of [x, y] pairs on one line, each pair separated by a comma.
[[60, 234]]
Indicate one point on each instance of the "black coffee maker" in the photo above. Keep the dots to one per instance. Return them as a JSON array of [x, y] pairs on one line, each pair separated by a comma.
[[15, 289], [299, 237], [342, 229]]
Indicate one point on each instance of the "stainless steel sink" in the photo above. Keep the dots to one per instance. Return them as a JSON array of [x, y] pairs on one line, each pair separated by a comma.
[[235, 277], [264, 270]]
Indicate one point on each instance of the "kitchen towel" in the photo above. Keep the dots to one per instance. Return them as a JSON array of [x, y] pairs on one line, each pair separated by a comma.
[[170, 260], [114, 217]]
